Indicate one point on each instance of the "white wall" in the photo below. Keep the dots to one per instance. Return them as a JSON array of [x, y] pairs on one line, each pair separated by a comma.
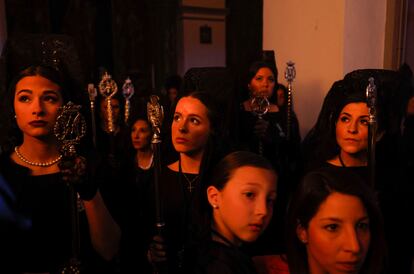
[[192, 53], [364, 35], [3, 26], [326, 39], [409, 38], [203, 55]]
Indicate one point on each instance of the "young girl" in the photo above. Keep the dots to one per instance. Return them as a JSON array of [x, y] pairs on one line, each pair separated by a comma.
[[241, 196]]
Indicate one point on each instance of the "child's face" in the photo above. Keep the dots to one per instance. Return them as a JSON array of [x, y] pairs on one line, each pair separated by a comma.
[[245, 204]]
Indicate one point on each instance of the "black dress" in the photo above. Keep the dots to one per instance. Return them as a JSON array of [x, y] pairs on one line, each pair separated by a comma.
[[45, 244], [219, 258], [249, 141], [136, 225], [183, 221]]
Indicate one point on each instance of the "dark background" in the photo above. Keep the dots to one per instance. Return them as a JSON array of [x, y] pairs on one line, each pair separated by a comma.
[[132, 36]]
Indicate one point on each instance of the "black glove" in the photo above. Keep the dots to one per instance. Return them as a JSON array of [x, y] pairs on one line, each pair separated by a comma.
[[261, 130], [157, 252], [74, 171]]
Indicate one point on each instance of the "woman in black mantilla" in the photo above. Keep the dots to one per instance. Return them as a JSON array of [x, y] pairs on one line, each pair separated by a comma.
[[340, 140], [138, 172], [34, 170], [194, 136], [268, 134], [33, 166]]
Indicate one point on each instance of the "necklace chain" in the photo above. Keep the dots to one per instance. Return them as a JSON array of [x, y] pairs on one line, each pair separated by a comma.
[[39, 164], [190, 186]]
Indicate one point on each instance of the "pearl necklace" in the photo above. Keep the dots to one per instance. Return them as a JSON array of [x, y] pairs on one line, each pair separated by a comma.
[[44, 164]]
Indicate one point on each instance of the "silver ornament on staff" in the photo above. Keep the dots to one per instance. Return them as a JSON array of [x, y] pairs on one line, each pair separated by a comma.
[[108, 88], [371, 94], [127, 91], [69, 129], [290, 74], [155, 113], [92, 92], [260, 105]]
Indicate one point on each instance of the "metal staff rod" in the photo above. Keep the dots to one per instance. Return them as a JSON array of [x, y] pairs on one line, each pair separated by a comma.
[[260, 106], [127, 91], [69, 129], [290, 74], [92, 95], [371, 94], [155, 113]]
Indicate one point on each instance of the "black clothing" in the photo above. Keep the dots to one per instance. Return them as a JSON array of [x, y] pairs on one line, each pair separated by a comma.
[[135, 223], [182, 215], [44, 201], [219, 258], [251, 142]]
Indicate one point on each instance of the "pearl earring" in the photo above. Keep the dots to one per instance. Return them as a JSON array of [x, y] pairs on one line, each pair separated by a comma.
[[215, 206]]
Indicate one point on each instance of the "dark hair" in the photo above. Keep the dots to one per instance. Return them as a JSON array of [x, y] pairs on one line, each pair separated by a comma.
[[227, 166], [134, 120], [320, 144], [254, 68], [217, 145], [285, 94], [346, 94], [57, 76], [311, 193], [211, 105], [173, 81], [129, 146]]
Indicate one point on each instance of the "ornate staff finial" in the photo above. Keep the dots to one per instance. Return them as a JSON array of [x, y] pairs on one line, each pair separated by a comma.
[[260, 105], [70, 127], [290, 75], [290, 72], [50, 53], [127, 91], [371, 94], [108, 88], [155, 113]]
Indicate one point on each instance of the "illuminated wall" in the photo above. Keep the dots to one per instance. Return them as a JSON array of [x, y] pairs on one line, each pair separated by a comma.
[[201, 34], [326, 39]]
